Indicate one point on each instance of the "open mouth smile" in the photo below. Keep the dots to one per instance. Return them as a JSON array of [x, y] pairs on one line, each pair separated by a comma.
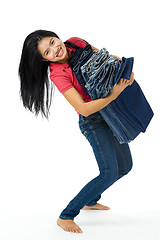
[[60, 53]]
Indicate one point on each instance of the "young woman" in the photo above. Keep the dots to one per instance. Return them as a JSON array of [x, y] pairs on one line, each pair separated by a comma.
[[43, 50]]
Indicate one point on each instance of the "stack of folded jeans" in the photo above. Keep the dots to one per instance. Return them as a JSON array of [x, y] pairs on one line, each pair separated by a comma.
[[97, 72]]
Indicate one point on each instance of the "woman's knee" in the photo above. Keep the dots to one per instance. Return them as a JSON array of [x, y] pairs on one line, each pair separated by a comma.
[[127, 168], [109, 176]]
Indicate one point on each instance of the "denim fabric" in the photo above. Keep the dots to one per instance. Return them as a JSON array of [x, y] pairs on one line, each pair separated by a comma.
[[97, 72], [80, 56], [102, 71], [129, 114], [120, 126], [114, 161]]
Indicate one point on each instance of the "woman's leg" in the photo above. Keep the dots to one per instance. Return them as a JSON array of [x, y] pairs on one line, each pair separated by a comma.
[[124, 160], [100, 138]]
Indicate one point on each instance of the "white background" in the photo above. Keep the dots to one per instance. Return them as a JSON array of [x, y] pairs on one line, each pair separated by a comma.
[[44, 164]]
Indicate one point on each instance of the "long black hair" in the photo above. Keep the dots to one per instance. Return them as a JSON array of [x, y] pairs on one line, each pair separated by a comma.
[[35, 85]]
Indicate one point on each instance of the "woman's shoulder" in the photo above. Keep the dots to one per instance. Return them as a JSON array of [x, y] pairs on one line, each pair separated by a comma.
[[59, 69], [77, 41]]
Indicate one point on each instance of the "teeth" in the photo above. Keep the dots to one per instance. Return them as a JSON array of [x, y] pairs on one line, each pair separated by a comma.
[[60, 52]]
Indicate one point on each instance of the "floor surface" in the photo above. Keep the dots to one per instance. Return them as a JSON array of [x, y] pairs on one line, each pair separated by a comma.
[[110, 225]]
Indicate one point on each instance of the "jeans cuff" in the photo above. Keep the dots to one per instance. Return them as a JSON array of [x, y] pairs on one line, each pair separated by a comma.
[[91, 204], [66, 218]]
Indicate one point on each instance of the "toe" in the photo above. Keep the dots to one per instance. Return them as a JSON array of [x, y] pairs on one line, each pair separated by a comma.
[[107, 208], [79, 230]]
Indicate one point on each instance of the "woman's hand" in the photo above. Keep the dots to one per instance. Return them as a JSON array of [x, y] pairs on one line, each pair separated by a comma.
[[121, 85], [117, 57], [87, 108]]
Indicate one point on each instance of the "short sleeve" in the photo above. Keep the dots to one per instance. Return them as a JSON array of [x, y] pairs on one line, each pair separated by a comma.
[[62, 82]]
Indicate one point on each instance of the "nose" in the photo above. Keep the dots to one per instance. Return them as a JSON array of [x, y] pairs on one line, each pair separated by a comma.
[[54, 50]]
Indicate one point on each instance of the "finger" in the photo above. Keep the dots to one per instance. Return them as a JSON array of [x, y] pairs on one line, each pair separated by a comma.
[[120, 81], [125, 81], [131, 82], [132, 75]]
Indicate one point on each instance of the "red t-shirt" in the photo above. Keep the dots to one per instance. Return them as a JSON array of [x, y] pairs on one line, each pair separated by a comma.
[[62, 75]]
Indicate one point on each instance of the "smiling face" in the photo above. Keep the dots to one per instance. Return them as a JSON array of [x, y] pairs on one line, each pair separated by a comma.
[[53, 49]]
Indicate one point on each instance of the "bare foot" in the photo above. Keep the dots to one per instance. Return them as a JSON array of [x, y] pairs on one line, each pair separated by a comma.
[[69, 225], [98, 206]]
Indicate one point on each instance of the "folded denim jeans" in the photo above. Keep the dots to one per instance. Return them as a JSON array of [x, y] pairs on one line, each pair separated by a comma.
[[97, 72]]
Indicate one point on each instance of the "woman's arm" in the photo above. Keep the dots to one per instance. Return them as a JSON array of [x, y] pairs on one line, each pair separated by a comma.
[[87, 108]]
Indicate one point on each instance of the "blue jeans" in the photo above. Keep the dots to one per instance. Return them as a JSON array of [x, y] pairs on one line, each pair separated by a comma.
[[101, 71], [114, 161]]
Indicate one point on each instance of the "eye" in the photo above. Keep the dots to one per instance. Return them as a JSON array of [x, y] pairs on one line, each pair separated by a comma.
[[52, 41], [46, 53]]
